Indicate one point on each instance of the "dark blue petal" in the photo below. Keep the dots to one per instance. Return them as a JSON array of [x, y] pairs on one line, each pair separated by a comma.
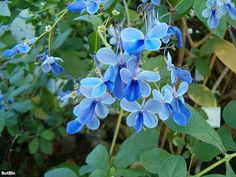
[[231, 11], [185, 75], [183, 109], [86, 114], [92, 7], [76, 6], [179, 37], [56, 68], [179, 118], [132, 90], [213, 21], [119, 85], [139, 123], [73, 127], [11, 52]]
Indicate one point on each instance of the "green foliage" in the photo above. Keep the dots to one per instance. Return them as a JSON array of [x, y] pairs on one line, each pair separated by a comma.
[[60, 172], [229, 115]]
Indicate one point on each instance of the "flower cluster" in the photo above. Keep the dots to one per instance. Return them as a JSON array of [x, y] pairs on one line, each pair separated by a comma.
[[217, 9], [124, 80]]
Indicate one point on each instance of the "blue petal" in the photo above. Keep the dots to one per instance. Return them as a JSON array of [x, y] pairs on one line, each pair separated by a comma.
[[46, 67], [153, 106], [10, 52], [157, 95], [158, 31], [93, 124], [86, 91], [152, 44], [56, 68], [133, 40], [23, 48], [183, 109], [149, 119], [86, 102], [145, 88], [174, 75], [156, 2], [32, 41], [185, 75], [231, 11], [183, 88], [132, 90], [109, 74], [149, 76], [101, 110], [126, 75], [168, 95], [92, 7], [85, 115], [179, 118], [107, 99], [73, 127], [206, 13], [135, 120], [99, 90], [213, 21], [164, 113], [179, 36], [90, 82], [119, 85], [210, 3], [133, 65], [129, 106], [76, 6], [139, 123], [107, 56]]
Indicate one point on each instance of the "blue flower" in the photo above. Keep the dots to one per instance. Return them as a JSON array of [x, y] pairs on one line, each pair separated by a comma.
[[177, 73], [136, 80], [91, 6], [173, 30], [154, 2], [228, 6], [99, 86], [49, 63], [177, 108], [165, 97], [141, 115], [213, 12], [134, 41], [88, 113], [20, 48]]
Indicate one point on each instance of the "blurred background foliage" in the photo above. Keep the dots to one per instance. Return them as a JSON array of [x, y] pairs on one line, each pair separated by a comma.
[[33, 120]]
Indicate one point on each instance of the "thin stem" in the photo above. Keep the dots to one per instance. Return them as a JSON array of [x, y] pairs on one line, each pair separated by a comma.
[[127, 12], [214, 165], [104, 40], [116, 132], [49, 41], [190, 164]]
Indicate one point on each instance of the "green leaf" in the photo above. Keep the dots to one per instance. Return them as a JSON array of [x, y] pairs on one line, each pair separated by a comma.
[[23, 106], [206, 98], [198, 128], [47, 134], [99, 157], [99, 173], [134, 146], [4, 9], [60, 39], [61, 172], [215, 175], [40, 114], [34, 145], [229, 170], [205, 152], [94, 42], [93, 19], [17, 78], [2, 121], [24, 88], [174, 166], [45, 146], [153, 159], [225, 135], [130, 172], [225, 51], [229, 114]]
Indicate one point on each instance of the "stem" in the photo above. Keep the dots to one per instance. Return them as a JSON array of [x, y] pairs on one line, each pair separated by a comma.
[[49, 41], [116, 132], [127, 13], [104, 40], [226, 158]]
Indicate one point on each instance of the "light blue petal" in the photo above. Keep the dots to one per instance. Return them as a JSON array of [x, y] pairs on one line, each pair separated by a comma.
[[86, 91], [126, 75], [231, 10], [185, 75], [133, 40], [46, 67], [145, 88], [156, 2], [23, 48], [85, 102], [73, 127], [149, 119], [32, 41], [183, 88], [183, 109], [164, 113], [109, 74], [206, 13], [153, 106], [93, 124], [85, 115], [174, 76], [152, 44], [132, 119], [107, 56], [158, 31], [92, 7], [132, 65], [107, 99], [149, 76], [90, 82], [101, 110], [210, 3], [157, 95], [168, 95], [129, 106], [179, 119], [99, 90], [76, 110]]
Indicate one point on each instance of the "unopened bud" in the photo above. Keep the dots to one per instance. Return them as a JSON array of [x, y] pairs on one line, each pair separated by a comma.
[[48, 28], [101, 28], [115, 12]]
